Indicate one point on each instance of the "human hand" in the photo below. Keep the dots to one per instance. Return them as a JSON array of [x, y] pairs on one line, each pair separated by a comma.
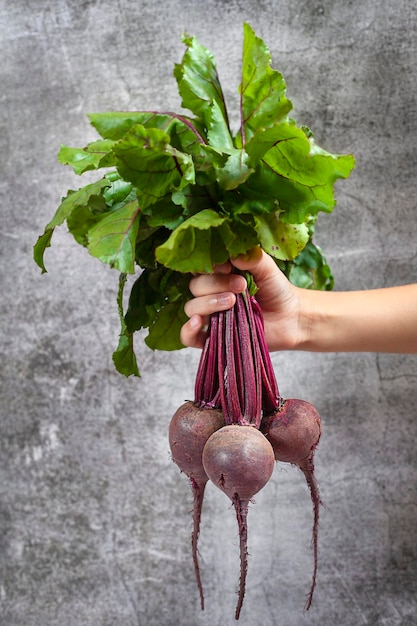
[[279, 299]]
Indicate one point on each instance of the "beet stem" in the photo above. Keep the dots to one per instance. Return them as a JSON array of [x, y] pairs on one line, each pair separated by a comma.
[[221, 364], [270, 392], [231, 371], [241, 508], [206, 381], [250, 358], [238, 363]]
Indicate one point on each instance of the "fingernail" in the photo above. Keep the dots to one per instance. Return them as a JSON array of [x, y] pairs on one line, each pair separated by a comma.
[[194, 322], [237, 282], [224, 299]]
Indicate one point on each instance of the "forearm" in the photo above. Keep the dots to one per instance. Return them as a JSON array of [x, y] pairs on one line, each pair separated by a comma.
[[379, 320]]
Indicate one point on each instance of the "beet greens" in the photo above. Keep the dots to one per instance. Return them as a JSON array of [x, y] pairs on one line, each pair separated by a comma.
[[181, 193]]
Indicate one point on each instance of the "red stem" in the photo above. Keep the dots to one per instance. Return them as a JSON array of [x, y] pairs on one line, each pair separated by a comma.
[[206, 381], [235, 372], [221, 364], [238, 363], [231, 397], [253, 331], [239, 366], [270, 392]]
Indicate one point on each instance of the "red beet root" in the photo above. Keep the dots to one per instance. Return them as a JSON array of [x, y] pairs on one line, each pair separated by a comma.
[[240, 461], [294, 432], [189, 430]]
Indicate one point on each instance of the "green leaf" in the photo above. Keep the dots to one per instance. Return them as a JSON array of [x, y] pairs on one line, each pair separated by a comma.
[[148, 306], [310, 269], [235, 170], [144, 302], [113, 239], [75, 199], [114, 125], [296, 157], [196, 245], [208, 166], [296, 201], [262, 89], [157, 302], [205, 240], [265, 139], [164, 333], [300, 175], [238, 236], [280, 240], [118, 192], [43, 242], [145, 158], [94, 156], [218, 134], [198, 81], [230, 166], [164, 213], [83, 197], [81, 220], [148, 240], [193, 198], [124, 357]]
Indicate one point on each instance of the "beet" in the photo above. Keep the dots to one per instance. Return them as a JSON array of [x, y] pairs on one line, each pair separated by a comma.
[[294, 432], [189, 429], [239, 460]]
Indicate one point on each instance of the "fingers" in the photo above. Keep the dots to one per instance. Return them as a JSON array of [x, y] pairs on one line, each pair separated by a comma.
[[224, 268], [205, 284], [274, 289], [212, 293], [193, 334], [258, 263], [217, 292], [204, 306]]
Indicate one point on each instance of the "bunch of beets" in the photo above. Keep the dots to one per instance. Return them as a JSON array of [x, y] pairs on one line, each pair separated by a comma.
[[238, 426]]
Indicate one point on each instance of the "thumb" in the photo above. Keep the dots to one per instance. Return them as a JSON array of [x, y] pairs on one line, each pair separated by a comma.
[[262, 267]]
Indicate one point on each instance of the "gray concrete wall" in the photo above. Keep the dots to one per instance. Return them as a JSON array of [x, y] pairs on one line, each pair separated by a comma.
[[94, 516]]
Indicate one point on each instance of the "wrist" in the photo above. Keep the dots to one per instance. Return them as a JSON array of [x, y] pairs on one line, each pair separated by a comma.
[[293, 325], [311, 319]]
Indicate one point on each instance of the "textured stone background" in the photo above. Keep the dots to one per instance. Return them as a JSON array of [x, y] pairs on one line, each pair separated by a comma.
[[94, 517]]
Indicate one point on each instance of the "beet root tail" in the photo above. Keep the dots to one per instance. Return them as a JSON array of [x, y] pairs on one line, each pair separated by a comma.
[[241, 508], [308, 471], [198, 497]]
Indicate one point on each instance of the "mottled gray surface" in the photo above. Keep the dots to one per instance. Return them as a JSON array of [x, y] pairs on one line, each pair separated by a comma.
[[94, 517]]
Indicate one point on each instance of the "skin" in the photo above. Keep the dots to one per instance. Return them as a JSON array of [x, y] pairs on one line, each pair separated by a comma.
[[377, 320]]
